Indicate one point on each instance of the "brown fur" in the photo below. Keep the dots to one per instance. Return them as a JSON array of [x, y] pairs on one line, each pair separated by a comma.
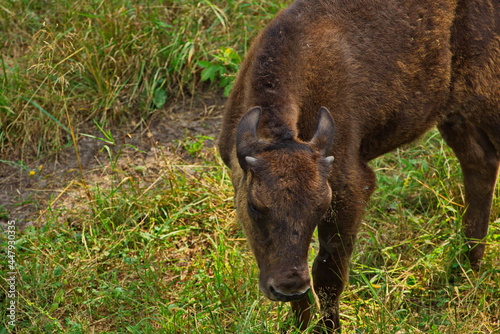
[[387, 71]]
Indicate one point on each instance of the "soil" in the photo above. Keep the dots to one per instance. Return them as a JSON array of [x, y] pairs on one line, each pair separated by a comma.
[[24, 196]]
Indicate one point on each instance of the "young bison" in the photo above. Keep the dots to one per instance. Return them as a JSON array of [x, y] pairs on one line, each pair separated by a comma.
[[354, 79]]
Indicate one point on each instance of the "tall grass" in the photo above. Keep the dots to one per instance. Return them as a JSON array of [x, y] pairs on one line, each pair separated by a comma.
[[64, 62]]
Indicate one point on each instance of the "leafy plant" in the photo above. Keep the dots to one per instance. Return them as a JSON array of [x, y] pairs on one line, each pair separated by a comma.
[[222, 68]]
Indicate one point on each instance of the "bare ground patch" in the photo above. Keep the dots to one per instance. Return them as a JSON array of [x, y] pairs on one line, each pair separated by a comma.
[[27, 188]]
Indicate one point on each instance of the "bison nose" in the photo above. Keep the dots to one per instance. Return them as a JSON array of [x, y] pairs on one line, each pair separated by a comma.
[[282, 297], [289, 287]]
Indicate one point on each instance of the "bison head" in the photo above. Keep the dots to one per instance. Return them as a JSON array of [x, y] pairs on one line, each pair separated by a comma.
[[281, 195]]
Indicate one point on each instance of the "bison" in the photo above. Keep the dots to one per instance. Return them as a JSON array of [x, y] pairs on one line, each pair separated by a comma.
[[328, 86]]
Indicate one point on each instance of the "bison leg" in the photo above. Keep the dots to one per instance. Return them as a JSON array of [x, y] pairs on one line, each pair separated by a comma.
[[302, 312], [479, 154], [331, 273], [337, 235]]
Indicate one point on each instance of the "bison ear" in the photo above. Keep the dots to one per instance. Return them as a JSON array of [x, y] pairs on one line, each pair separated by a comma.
[[246, 136], [323, 138]]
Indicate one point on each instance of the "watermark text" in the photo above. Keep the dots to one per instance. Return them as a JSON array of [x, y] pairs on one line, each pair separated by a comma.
[[11, 274]]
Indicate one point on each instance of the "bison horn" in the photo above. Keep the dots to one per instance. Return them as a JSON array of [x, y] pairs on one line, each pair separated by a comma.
[[329, 160]]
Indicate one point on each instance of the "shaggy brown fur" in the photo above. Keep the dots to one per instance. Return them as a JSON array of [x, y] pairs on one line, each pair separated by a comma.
[[386, 71]]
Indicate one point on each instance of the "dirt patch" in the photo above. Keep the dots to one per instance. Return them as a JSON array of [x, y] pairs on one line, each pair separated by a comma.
[[27, 189]]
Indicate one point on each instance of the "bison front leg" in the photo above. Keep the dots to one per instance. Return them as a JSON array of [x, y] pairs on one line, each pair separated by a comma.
[[301, 310], [337, 236], [331, 272]]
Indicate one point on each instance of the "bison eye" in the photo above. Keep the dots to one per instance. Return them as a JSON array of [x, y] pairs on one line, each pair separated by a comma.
[[254, 211], [253, 208]]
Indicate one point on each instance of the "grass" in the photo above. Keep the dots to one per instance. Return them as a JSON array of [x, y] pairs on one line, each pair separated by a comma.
[[149, 244], [149, 253], [66, 62]]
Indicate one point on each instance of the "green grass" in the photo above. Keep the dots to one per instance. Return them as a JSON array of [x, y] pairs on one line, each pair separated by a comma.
[[152, 245], [65, 62], [142, 252]]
